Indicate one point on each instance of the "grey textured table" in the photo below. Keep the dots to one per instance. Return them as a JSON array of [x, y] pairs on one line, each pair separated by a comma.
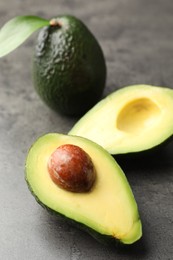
[[137, 40]]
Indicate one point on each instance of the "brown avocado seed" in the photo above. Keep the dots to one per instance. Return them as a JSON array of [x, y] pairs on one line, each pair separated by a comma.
[[71, 168]]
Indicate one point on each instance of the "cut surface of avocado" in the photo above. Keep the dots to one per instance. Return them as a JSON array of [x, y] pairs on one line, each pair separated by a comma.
[[109, 208], [131, 119]]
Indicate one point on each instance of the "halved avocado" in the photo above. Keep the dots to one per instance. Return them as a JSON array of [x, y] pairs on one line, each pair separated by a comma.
[[133, 119], [108, 210]]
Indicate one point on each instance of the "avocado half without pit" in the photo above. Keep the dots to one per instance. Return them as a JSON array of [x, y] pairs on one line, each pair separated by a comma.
[[78, 179], [132, 119]]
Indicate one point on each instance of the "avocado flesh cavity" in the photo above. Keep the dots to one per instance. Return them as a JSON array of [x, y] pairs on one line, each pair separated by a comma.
[[108, 209], [132, 119], [69, 70]]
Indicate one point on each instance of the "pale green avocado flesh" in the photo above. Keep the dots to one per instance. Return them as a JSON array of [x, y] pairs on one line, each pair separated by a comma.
[[131, 119], [109, 208]]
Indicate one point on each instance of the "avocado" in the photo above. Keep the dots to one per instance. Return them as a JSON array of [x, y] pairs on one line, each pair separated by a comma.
[[132, 119], [107, 211], [69, 70]]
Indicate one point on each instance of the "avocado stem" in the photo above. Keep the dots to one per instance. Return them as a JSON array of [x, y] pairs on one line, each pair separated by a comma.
[[55, 22]]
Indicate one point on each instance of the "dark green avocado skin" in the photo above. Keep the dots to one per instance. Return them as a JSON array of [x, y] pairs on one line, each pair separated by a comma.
[[69, 70]]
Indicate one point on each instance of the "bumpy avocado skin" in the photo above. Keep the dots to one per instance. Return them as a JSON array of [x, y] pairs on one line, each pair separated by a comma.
[[69, 70]]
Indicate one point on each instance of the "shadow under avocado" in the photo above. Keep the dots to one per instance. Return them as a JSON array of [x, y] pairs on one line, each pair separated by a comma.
[[138, 249], [159, 158], [66, 230]]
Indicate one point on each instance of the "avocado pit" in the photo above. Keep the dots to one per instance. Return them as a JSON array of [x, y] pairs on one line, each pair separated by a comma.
[[71, 168]]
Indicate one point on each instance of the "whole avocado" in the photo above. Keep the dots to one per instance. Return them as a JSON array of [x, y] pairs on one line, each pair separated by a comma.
[[69, 70]]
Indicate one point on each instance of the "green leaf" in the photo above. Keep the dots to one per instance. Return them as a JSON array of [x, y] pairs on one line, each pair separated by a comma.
[[17, 30]]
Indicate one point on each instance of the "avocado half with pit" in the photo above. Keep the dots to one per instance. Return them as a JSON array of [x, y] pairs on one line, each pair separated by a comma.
[[132, 119], [108, 211]]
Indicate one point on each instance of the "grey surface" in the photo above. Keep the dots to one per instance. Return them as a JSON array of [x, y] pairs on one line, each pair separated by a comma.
[[137, 39]]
